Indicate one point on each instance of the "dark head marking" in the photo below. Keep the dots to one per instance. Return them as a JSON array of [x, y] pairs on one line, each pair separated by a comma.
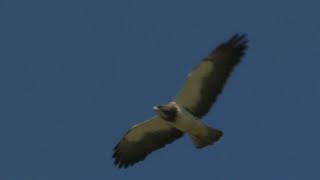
[[167, 112]]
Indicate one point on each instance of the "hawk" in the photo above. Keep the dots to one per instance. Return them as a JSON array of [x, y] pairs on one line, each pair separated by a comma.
[[182, 115]]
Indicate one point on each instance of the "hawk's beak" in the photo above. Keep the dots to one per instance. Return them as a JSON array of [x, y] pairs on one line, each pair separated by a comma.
[[155, 108]]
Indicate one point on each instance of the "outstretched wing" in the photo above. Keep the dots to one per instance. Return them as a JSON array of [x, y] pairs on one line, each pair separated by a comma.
[[142, 139], [207, 80]]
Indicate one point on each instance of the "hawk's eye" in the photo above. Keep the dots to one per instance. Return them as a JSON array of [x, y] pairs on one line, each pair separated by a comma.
[[169, 112], [166, 111]]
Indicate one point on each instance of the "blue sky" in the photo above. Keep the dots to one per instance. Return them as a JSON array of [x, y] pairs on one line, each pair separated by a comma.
[[75, 75]]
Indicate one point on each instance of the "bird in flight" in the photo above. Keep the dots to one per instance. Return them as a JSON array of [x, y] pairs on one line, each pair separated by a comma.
[[182, 115]]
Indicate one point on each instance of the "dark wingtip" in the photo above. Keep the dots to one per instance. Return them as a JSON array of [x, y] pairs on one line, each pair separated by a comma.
[[239, 40], [119, 161]]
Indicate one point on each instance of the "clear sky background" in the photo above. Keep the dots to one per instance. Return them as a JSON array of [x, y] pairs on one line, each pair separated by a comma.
[[76, 74]]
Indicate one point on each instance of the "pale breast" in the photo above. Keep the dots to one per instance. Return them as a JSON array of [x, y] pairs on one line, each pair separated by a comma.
[[184, 121]]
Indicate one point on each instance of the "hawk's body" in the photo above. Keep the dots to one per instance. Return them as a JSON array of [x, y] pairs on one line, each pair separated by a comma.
[[201, 134], [182, 115]]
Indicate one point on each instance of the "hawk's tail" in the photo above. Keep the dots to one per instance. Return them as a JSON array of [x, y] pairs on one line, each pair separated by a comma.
[[208, 137]]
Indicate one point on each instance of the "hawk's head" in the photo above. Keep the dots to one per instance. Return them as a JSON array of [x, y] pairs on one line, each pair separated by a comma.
[[167, 112]]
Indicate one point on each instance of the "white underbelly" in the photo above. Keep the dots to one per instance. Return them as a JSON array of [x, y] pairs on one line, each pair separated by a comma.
[[186, 122]]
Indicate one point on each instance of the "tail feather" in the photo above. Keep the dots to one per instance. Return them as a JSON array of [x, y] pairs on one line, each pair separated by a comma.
[[208, 137]]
